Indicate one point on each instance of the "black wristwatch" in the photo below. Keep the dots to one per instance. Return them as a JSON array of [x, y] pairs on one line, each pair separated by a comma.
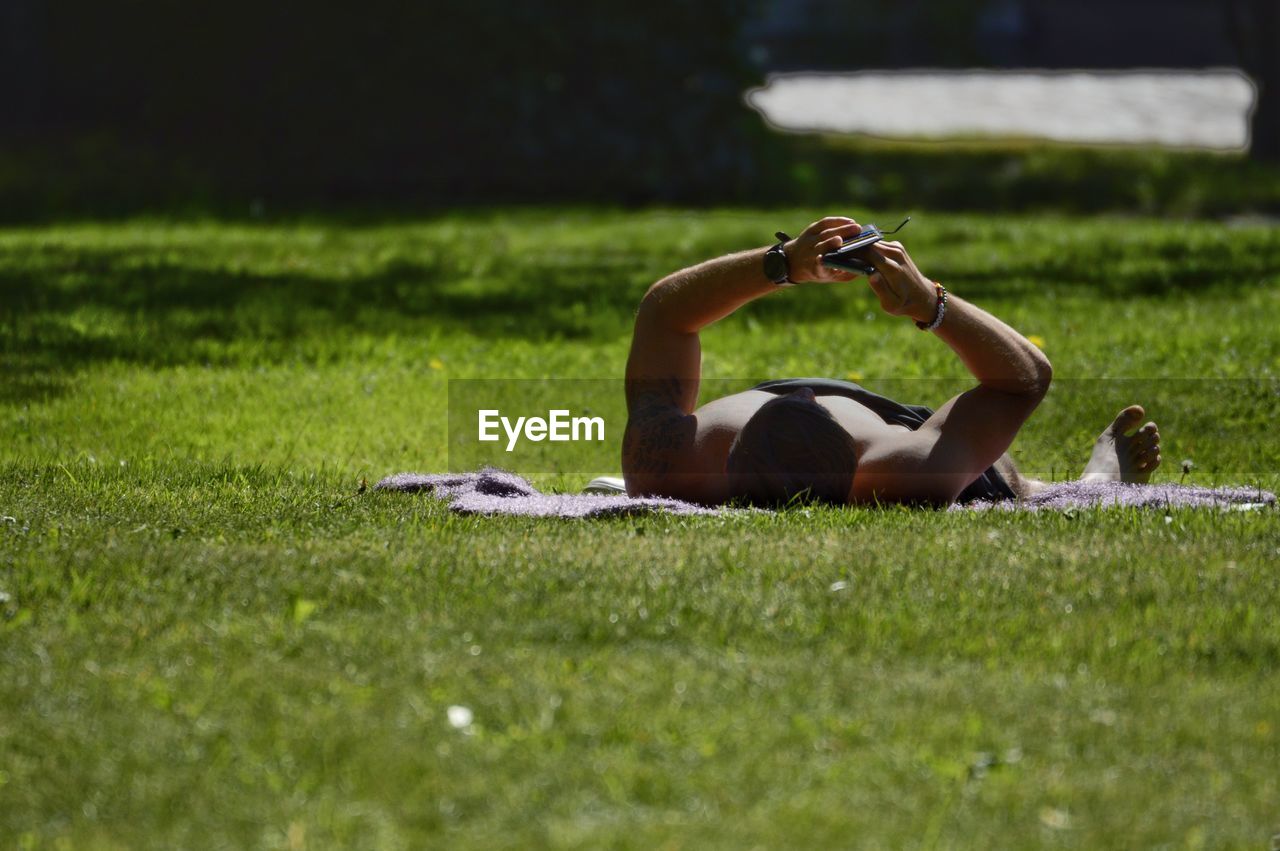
[[776, 267]]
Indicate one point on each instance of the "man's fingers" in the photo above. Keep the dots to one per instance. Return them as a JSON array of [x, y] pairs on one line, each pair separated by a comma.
[[829, 243], [840, 232], [883, 262], [831, 222], [888, 250]]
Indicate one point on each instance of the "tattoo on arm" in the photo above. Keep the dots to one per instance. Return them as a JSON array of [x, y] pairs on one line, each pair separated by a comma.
[[656, 427]]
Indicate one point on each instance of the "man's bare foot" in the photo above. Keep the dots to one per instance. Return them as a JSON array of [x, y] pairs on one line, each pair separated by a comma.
[[1118, 457]]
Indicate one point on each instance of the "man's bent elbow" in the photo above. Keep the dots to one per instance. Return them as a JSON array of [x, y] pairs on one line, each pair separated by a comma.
[[656, 308], [1035, 377], [1044, 375]]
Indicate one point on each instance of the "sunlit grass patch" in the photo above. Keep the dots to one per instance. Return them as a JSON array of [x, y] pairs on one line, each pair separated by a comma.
[[213, 637]]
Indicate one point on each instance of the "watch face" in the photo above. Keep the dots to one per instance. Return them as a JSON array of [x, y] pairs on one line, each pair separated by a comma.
[[775, 266]]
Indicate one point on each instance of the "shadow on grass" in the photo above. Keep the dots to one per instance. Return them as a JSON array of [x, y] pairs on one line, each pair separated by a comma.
[[63, 307], [108, 307]]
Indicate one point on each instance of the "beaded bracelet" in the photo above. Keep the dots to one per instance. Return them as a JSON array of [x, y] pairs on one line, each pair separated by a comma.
[[942, 310]]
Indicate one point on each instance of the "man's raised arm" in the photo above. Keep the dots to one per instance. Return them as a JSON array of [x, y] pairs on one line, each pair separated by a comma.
[[665, 365], [968, 433]]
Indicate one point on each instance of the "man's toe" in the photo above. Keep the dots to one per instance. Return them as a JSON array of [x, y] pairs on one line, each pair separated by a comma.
[[1127, 419]]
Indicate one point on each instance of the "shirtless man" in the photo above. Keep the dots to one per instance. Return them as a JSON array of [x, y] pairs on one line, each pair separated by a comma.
[[833, 441]]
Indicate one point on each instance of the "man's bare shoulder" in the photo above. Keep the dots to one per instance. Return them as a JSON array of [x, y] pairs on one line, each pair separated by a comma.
[[666, 452], [658, 431], [656, 440]]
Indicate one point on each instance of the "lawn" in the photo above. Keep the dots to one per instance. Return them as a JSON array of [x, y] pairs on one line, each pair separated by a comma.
[[212, 637]]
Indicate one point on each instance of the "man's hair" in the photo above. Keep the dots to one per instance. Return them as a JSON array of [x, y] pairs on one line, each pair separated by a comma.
[[789, 449]]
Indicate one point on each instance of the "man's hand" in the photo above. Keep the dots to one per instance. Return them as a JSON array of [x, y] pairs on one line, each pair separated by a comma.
[[902, 290], [804, 253]]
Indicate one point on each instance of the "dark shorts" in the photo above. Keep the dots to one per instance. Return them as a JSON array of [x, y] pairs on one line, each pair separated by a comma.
[[991, 485]]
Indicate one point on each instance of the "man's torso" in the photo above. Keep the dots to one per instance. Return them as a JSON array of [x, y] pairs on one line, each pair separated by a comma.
[[702, 478]]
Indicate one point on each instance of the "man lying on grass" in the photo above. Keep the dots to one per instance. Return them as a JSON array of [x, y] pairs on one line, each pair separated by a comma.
[[833, 441]]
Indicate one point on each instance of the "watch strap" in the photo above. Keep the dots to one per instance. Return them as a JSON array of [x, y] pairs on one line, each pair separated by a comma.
[[780, 250]]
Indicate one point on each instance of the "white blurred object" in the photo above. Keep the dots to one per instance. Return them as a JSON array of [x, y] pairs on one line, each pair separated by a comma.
[[460, 717], [1201, 109], [607, 485]]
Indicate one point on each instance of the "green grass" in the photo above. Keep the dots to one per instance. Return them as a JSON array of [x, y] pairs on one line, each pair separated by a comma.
[[210, 639]]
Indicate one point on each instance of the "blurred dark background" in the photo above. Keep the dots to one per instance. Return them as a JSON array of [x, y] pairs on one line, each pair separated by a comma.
[[827, 34], [115, 108]]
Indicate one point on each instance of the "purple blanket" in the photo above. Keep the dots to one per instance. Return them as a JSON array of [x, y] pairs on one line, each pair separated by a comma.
[[1064, 495], [491, 491]]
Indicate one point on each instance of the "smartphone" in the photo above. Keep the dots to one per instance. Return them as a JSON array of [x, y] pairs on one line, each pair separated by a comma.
[[846, 256]]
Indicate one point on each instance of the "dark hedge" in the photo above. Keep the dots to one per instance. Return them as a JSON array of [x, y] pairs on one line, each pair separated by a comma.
[[385, 100]]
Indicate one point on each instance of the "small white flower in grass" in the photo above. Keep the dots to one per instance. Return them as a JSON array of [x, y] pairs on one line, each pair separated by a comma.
[[460, 717], [1105, 717]]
